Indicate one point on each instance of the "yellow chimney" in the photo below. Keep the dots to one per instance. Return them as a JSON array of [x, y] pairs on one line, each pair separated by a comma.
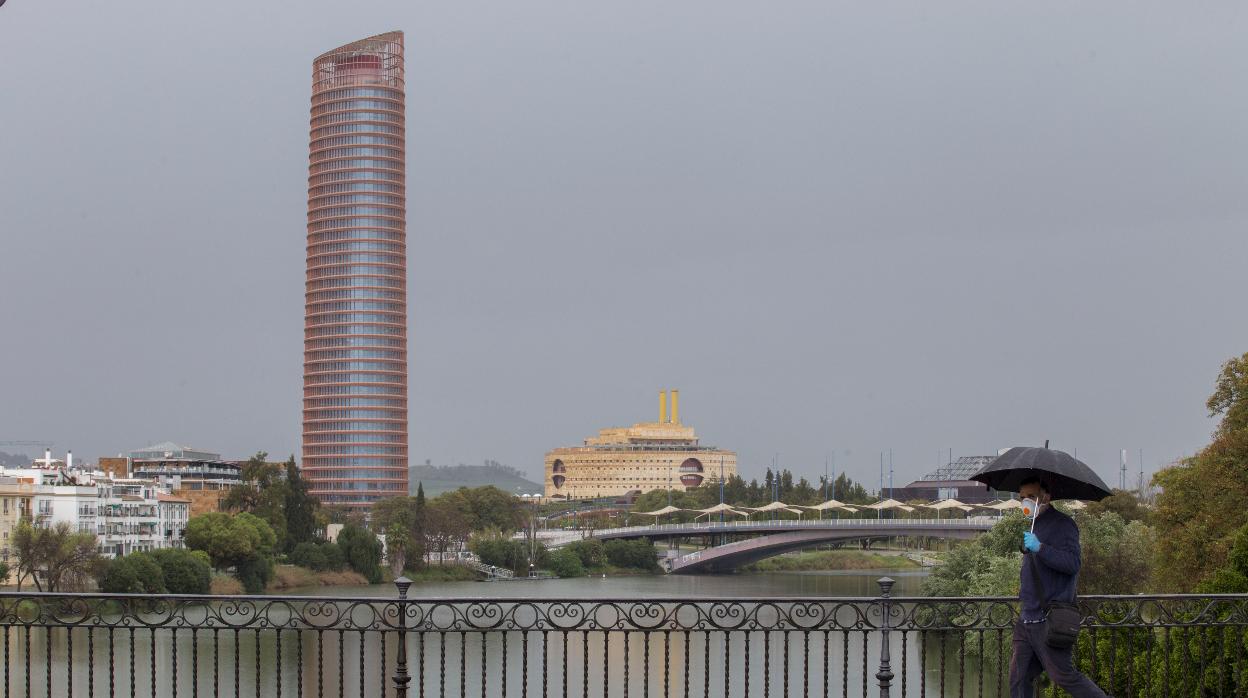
[[675, 407], [662, 406]]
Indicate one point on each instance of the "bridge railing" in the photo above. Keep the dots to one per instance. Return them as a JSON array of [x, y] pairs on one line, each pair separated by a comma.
[[975, 522], [96, 645]]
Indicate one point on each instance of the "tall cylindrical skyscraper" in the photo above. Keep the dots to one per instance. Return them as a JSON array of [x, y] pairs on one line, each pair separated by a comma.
[[355, 330]]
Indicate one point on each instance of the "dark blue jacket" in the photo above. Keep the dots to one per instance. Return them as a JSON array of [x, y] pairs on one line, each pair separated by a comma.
[[1057, 562]]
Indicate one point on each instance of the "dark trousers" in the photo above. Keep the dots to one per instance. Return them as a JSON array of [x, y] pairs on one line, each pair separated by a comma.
[[1032, 656]]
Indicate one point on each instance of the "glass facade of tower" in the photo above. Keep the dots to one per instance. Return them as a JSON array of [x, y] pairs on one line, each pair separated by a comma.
[[355, 336]]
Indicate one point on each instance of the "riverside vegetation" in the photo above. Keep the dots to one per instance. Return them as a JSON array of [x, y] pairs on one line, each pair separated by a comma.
[[1191, 537]]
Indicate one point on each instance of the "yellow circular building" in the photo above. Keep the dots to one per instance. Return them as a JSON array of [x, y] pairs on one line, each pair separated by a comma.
[[646, 456]]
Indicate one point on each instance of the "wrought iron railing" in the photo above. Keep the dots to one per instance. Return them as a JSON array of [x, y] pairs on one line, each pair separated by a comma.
[[96, 645]]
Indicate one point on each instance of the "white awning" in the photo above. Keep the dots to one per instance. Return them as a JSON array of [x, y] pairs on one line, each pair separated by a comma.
[[774, 506], [660, 512], [728, 508], [888, 504], [948, 504], [830, 504], [1007, 504]]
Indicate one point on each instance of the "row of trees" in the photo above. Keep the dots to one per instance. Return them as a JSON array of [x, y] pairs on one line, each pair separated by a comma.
[[166, 571], [414, 526], [592, 556]]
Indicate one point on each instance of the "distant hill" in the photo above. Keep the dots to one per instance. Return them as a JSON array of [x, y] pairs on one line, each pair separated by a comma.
[[445, 478]]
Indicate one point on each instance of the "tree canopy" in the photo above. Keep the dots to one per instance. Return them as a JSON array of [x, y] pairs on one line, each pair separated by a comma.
[[1203, 502], [56, 558], [242, 541]]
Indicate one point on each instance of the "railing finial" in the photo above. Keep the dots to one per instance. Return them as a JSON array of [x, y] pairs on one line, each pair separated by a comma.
[[886, 585]]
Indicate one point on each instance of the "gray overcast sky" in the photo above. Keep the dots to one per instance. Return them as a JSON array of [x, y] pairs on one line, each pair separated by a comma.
[[833, 226]]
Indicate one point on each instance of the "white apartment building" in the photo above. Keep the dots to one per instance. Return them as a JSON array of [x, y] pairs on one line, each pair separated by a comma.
[[129, 517], [77, 505], [174, 513], [125, 514]]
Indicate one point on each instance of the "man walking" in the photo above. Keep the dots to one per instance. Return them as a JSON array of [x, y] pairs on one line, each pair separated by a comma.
[[1052, 559]]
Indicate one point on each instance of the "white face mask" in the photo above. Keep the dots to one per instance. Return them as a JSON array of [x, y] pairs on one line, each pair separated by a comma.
[[1029, 507]]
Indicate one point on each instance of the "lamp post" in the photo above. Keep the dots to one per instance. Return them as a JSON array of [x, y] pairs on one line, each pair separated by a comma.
[[669, 483], [721, 489], [534, 499]]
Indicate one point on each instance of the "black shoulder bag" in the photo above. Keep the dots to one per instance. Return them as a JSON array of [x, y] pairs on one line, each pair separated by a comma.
[[1062, 628]]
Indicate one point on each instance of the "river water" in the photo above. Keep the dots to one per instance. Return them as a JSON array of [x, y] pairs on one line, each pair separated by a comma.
[[714, 663]]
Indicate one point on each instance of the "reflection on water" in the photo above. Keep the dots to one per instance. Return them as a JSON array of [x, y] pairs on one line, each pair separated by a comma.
[[674, 586], [223, 662]]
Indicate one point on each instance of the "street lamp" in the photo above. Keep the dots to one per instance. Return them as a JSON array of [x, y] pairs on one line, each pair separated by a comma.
[[535, 499]]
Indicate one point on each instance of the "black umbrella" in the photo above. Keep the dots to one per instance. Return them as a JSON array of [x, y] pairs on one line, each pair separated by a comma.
[[1067, 477]]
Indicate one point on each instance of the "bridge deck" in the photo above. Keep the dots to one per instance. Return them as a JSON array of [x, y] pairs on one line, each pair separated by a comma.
[[834, 528]]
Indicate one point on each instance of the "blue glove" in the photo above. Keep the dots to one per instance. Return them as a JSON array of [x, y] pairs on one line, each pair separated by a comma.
[[1031, 542]]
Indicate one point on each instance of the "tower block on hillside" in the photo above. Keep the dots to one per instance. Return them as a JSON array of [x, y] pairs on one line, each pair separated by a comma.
[[629, 460]]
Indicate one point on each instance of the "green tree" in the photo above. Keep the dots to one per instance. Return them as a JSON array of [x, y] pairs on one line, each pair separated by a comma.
[[393, 511], [565, 563], [418, 547], [184, 571], [846, 490], [1233, 578], [1117, 555], [398, 542], [636, 554], [486, 507], [228, 539], [300, 508], [243, 541], [445, 525], [362, 551], [56, 558], [1204, 500], [136, 573], [589, 551], [309, 555], [1124, 503], [263, 493], [318, 556], [254, 573], [500, 550]]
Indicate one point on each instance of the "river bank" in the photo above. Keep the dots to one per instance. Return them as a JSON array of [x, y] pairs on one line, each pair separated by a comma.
[[832, 560], [827, 583]]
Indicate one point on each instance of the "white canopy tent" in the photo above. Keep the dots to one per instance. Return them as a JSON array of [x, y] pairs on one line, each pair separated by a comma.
[[948, 504], [660, 512], [830, 504], [884, 504], [880, 506], [657, 513], [1006, 505], [718, 508], [774, 506], [771, 506]]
